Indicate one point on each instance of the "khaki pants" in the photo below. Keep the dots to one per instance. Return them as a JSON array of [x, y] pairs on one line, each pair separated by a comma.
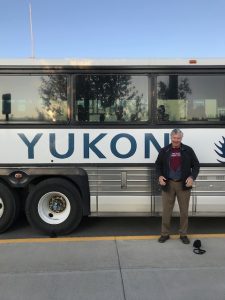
[[168, 201]]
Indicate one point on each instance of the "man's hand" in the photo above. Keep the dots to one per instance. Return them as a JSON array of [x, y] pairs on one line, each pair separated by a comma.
[[162, 180], [189, 182]]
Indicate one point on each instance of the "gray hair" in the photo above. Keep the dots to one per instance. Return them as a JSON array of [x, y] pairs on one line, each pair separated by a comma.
[[176, 131]]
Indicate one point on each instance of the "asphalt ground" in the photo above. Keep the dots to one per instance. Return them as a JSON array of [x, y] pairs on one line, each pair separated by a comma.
[[122, 226]]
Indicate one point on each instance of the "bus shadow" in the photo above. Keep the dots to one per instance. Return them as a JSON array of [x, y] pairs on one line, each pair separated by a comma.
[[120, 226]]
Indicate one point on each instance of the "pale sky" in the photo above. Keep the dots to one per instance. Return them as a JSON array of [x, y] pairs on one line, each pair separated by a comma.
[[113, 28]]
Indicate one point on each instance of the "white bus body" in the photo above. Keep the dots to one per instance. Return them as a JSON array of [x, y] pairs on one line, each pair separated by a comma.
[[80, 137]]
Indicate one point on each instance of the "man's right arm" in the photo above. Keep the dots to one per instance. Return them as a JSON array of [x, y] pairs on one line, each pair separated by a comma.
[[159, 168]]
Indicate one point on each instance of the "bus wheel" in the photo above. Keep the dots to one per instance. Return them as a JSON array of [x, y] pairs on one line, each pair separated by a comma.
[[8, 207], [54, 207]]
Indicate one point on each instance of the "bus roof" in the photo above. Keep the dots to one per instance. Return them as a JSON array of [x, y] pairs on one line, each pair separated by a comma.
[[79, 62]]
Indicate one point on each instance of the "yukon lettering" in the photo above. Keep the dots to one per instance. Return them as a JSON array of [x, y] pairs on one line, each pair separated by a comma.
[[149, 138], [88, 145], [92, 145], [70, 146], [133, 145], [30, 145]]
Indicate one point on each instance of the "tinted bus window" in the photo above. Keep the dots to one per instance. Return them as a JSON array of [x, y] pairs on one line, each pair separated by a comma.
[[33, 98], [191, 98], [111, 98]]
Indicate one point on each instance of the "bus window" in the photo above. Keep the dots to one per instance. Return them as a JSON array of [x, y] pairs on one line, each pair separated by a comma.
[[34, 98], [111, 98], [191, 98]]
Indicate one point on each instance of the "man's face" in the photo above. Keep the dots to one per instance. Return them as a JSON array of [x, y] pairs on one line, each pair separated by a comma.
[[176, 140]]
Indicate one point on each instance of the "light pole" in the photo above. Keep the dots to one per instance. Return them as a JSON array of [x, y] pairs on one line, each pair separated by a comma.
[[31, 32]]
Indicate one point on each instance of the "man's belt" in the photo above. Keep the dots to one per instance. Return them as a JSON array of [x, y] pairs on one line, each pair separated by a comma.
[[175, 180]]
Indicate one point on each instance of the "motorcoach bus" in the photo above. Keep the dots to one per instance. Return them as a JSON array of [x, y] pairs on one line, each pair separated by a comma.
[[80, 137]]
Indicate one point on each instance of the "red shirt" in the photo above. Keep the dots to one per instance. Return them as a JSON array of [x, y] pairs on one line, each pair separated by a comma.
[[175, 159]]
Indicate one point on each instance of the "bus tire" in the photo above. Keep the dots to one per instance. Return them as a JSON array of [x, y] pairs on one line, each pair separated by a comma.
[[54, 207], [8, 207]]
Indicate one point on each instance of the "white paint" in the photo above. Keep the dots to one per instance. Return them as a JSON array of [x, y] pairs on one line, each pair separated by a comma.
[[13, 150]]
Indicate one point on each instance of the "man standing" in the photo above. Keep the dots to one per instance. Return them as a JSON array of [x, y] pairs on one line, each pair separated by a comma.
[[177, 167]]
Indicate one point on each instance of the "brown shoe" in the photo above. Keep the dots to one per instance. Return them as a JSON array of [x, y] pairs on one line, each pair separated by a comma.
[[163, 238], [185, 239]]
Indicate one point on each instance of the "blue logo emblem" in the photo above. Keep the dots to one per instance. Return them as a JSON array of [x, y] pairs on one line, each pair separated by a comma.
[[221, 147]]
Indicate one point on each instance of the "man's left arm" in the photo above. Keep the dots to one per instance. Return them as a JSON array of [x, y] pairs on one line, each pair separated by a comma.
[[195, 166]]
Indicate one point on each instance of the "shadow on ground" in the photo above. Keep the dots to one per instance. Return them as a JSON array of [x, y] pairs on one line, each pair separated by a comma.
[[122, 226]]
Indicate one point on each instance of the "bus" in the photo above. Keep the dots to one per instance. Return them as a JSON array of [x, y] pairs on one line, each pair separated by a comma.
[[79, 137]]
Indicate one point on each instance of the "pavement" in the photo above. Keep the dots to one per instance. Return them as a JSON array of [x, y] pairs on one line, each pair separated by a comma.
[[112, 268]]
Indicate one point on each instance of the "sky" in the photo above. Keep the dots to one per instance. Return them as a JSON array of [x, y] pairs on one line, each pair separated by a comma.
[[112, 28]]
